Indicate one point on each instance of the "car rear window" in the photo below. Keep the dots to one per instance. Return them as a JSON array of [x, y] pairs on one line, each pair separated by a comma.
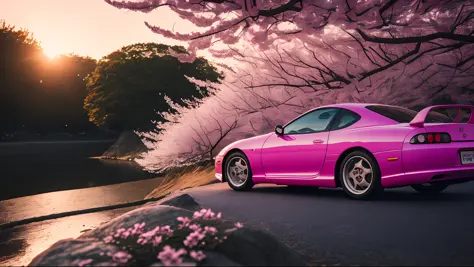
[[398, 114], [345, 119]]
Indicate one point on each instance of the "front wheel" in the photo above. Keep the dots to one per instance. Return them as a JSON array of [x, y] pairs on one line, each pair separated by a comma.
[[237, 172], [430, 188], [360, 175]]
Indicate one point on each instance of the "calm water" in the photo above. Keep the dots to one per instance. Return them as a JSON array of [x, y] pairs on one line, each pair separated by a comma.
[[39, 167]]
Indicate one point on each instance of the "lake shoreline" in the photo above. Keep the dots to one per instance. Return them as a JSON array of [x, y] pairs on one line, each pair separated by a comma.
[[35, 167]]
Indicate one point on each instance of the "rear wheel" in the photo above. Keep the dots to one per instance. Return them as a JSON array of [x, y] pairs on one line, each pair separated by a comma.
[[237, 172], [430, 188], [360, 175]]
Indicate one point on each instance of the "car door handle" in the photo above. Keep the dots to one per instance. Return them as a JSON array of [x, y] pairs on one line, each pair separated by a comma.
[[318, 141]]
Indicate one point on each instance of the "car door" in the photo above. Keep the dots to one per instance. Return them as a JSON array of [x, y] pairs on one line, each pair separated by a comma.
[[301, 150]]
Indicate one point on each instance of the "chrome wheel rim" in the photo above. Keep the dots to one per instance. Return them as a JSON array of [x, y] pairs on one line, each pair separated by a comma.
[[357, 175], [237, 171]]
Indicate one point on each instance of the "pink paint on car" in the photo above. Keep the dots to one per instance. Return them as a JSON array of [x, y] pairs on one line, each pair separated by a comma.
[[362, 148]]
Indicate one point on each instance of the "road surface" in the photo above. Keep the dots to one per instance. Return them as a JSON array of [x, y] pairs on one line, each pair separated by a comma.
[[403, 227]]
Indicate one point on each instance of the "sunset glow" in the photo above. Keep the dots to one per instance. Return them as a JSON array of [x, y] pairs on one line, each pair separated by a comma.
[[51, 51], [62, 27]]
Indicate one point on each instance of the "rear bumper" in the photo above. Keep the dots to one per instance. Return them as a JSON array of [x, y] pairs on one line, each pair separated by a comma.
[[452, 175], [428, 163]]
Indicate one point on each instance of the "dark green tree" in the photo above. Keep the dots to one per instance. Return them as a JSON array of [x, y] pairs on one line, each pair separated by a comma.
[[37, 94], [20, 60], [128, 86], [61, 94]]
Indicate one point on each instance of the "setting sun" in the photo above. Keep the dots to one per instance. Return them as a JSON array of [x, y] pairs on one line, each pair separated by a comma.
[[50, 52]]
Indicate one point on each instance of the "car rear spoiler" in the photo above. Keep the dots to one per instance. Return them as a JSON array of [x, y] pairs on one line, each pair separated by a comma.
[[420, 118]]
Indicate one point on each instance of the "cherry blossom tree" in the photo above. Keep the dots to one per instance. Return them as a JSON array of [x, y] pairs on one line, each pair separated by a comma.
[[289, 55]]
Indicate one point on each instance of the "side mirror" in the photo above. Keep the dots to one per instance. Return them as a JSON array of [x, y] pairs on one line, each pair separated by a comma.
[[279, 130]]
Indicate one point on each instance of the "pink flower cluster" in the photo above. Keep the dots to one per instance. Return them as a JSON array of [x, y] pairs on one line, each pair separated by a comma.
[[207, 214], [170, 256], [121, 256], [155, 236], [199, 237], [123, 233]]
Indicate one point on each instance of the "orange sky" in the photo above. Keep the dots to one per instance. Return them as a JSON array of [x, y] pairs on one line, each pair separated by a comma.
[[84, 27]]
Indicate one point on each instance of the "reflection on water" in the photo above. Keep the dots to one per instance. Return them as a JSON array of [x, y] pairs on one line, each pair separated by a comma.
[[77, 199], [27, 169], [18, 246], [32, 168]]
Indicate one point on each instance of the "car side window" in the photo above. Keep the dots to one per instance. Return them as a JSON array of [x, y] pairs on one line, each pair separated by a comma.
[[313, 122], [345, 119]]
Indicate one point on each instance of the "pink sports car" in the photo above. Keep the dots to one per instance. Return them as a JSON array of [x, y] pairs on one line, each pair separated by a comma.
[[362, 148]]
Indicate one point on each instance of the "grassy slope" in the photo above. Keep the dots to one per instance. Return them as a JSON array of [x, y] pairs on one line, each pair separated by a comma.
[[182, 179]]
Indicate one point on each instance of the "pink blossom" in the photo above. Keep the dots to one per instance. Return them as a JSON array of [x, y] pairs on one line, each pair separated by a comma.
[[185, 221], [237, 226], [108, 239], [206, 214], [145, 238], [197, 255], [84, 262], [157, 240], [170, 256], [193, 239], [194, 227], [121, 257], [166, 230], [137, 228], [210, 229], [119, 232], [126, 234]]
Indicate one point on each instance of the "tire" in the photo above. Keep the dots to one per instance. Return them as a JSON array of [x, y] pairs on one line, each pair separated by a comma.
[[430, 189], [236, 163], [360, 176]]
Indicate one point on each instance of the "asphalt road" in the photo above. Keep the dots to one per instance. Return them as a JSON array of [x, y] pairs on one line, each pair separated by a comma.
[[403, 227]]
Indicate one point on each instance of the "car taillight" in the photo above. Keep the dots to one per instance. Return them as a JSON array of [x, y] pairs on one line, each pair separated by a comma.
[[431, 138]]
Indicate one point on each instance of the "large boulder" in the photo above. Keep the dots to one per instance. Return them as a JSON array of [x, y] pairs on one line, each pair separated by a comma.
[[240, 246]]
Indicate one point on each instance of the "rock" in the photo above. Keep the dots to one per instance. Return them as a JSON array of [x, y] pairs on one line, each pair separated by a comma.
[[244, 246], [256, 248], [217, 259], [151, 215], [183, 201], [70, 252]]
